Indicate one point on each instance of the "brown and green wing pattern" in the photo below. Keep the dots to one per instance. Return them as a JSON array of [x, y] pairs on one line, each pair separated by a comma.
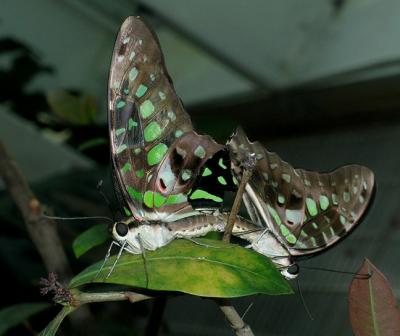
[[155, 152], [309, 211]]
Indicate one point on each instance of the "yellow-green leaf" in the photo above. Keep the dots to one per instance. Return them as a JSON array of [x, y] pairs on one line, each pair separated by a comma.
[[90, 238], [210, 268]]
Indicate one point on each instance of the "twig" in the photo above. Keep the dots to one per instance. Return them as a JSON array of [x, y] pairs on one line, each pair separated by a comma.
[[41, 230], [247, 172], [237, 324], [80, 298]]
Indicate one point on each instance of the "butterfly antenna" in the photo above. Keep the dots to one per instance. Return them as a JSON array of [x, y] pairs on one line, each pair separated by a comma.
[[361, 276], [303, 301], [247, 310], [116, 260], [144, 260], [106, 258], [77, 218]]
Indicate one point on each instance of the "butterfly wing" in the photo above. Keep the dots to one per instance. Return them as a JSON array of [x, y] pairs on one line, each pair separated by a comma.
[[308, 211], [156, 154]]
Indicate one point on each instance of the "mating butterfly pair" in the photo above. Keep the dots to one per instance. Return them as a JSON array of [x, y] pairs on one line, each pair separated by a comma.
[[172, 180]]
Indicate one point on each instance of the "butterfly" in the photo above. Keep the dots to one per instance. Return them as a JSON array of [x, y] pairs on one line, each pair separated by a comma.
[[171, 181], [302, 212]]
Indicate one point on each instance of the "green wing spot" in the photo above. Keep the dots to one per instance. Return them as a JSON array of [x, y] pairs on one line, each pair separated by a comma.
[[175, 199], [161, 95], [342, 219], [132, 55], [314, 225], [127, 212], [141, 91], [171, 115], [311, 206], [126, 168], [205, 195], [334, 199], [134, 193], [221, 164], [156, 154], [178, 133], [121, 104], [140, 173], [148, 199], [131, 124], [133, 74], [286, 178], [119, 131], [159, 199], [200, 152], [146, 109], [291, 238], [126, 91], [281, 199], [121, 148], [152, 131], [284, 230], [221, 180], [274, 215], [235, 180], [186, 174], [323, 202], [137, 151], [346, 196], [206, 172]]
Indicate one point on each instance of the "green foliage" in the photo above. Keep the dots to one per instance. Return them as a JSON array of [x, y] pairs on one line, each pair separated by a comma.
[[209, 268], [53, 326], [73, 109], [90, 238], [16, 314]]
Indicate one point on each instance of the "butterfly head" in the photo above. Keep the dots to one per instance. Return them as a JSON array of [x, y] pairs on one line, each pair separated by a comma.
[[121, 230], [291, 272]]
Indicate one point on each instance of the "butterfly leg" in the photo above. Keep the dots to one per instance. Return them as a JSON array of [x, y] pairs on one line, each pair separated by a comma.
[[248, 167], [106, 258], [116, 260], [144, 259]]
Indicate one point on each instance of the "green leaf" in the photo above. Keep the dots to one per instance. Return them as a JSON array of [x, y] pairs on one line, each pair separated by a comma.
[[208, 268], [372, 304], [74, 109], [90, 238], [16, 314], [53, 326]]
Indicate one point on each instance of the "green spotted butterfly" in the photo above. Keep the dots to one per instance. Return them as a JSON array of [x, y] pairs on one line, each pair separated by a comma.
[[302, 212], [171, 181]]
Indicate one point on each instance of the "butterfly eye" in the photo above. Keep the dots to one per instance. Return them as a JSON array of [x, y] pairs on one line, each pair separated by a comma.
[[121, 229], [293, 269]]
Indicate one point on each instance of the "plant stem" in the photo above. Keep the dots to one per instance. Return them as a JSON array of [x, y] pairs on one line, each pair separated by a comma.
[[237, 324], [81, 298], [247, 173], [43, 231]]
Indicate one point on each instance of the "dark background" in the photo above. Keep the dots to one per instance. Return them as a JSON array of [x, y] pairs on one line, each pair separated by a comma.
[[317, 83]]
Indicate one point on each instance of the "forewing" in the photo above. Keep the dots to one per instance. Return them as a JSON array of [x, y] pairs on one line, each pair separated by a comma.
[[275, 191], [153, 146]]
